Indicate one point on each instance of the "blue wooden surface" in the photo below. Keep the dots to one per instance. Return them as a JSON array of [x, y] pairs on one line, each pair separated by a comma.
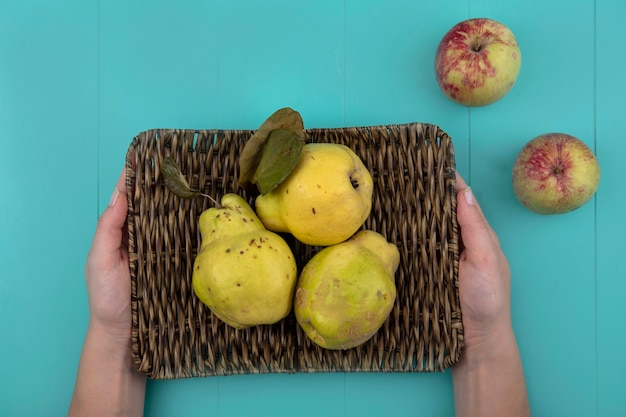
[[79, 78]]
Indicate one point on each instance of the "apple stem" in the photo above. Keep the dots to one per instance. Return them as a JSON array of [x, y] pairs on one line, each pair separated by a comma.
[[476, 47]]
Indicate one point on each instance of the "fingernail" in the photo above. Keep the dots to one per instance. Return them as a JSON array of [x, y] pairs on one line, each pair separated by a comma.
[[469, 197], [114, 196]]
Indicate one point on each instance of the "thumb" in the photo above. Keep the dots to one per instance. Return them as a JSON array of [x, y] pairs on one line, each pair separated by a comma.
[[476, 233], [110, 229]]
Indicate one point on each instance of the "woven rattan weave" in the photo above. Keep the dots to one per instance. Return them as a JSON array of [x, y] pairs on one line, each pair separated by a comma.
[[414, 205]]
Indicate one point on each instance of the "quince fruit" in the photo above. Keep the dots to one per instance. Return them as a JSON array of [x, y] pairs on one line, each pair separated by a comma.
[[244, 273], [324, 200], [346, 291]]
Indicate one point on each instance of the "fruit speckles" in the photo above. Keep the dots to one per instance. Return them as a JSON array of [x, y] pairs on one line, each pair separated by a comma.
[[257, 242]]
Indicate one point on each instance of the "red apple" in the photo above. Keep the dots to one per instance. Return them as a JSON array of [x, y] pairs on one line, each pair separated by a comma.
[[555, 173], [477, 62]]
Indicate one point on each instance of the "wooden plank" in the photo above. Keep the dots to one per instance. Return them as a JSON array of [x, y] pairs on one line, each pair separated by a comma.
[[552, 258], [157, 69], [280, 53], [48, 208], [610, 220]]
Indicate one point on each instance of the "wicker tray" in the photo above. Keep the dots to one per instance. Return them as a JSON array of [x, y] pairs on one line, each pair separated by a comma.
[[175, 336]]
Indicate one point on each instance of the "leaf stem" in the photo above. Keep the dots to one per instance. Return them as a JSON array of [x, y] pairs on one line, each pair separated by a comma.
[[214, 201]]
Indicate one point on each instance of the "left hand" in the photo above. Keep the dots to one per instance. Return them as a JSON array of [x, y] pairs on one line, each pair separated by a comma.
[[107, 272]]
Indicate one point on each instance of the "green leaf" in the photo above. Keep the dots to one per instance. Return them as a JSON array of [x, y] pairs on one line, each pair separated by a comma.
[[280, 156], [174, 179], [285, 118]]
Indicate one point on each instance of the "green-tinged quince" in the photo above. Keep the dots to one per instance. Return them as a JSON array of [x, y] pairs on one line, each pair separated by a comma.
[[346, 291]]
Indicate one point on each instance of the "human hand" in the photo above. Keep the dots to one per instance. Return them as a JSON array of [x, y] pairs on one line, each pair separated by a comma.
[[489, 377], [484, 274], [107, 273], [108, 383]]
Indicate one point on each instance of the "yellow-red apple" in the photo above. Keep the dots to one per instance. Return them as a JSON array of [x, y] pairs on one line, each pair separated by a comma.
[[555, 173], [477, 62]]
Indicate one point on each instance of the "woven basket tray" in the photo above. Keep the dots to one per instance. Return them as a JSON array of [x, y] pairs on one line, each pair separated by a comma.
[[414, 205]]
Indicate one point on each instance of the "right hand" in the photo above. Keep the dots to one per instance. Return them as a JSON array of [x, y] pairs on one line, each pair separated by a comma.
[[484, 274]]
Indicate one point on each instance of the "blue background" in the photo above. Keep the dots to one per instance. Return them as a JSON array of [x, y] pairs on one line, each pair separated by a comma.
[[80, 78]]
